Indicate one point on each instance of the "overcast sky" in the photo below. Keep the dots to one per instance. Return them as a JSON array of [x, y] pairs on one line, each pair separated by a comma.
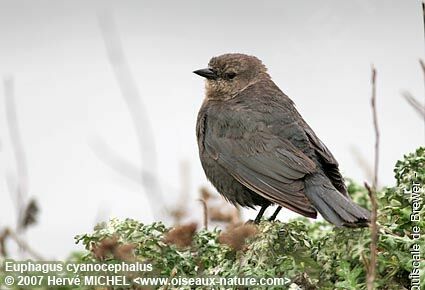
[[319, 52]]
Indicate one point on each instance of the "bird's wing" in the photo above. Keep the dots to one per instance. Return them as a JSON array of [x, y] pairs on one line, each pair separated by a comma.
[[328, 161], [266, 164]]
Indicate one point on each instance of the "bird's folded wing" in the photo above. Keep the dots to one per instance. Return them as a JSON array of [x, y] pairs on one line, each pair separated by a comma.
[[320, 148], [269, 166], [328, 161]]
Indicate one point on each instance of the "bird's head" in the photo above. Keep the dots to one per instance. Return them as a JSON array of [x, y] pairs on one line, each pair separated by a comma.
[[229, 74]]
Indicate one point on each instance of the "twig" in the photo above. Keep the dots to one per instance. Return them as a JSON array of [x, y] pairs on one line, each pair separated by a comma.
[[119, 164], [371, 273], [22, 244], [133, 100], [376, 127], [20, 187], [416, 105], [413, 102], [127, 169], [422, 63], [205, 210], [3, 237], [423, 13]]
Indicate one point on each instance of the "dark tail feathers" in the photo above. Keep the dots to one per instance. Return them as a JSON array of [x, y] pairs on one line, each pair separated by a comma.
[[333, 205]]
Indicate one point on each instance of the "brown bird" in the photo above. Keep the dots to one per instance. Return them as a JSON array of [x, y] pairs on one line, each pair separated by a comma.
[[257, 150]]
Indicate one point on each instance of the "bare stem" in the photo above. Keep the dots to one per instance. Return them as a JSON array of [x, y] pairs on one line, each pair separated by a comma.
[[371, 273], [422, 63], [415, 104], [135, 106], [205, 208], [423, 13], [9, 233], [376, 127], [18, 184]]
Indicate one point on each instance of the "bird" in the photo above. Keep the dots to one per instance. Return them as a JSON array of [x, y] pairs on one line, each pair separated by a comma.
[[257, 150]]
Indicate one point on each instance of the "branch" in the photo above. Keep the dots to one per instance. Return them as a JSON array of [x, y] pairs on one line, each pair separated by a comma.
[[18, 190], [205, 211], [413, 102], [3, 237], [9, 233], [371, 272], [421, 62], [138, 114], [119, 164], [423, 13], [416, 105], [376, 127]]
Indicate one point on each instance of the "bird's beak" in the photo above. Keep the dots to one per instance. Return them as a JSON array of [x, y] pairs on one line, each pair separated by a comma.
[[206, 73]]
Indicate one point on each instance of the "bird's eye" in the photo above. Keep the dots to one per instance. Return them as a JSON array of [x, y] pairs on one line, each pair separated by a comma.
[[230, 75]]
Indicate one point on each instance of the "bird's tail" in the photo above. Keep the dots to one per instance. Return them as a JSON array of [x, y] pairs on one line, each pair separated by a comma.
[[334, 207]]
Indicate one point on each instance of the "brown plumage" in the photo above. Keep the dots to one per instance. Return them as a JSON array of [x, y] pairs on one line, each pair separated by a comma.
[[257, 150]]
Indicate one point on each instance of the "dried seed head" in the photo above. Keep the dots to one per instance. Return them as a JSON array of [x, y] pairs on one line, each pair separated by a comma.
[[235, 237], [181, 236]]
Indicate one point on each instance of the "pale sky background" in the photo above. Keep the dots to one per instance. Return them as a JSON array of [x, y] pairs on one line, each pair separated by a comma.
[[318, 52]]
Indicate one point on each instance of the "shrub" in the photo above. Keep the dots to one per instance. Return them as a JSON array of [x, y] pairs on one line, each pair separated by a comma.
[[313, 255]]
